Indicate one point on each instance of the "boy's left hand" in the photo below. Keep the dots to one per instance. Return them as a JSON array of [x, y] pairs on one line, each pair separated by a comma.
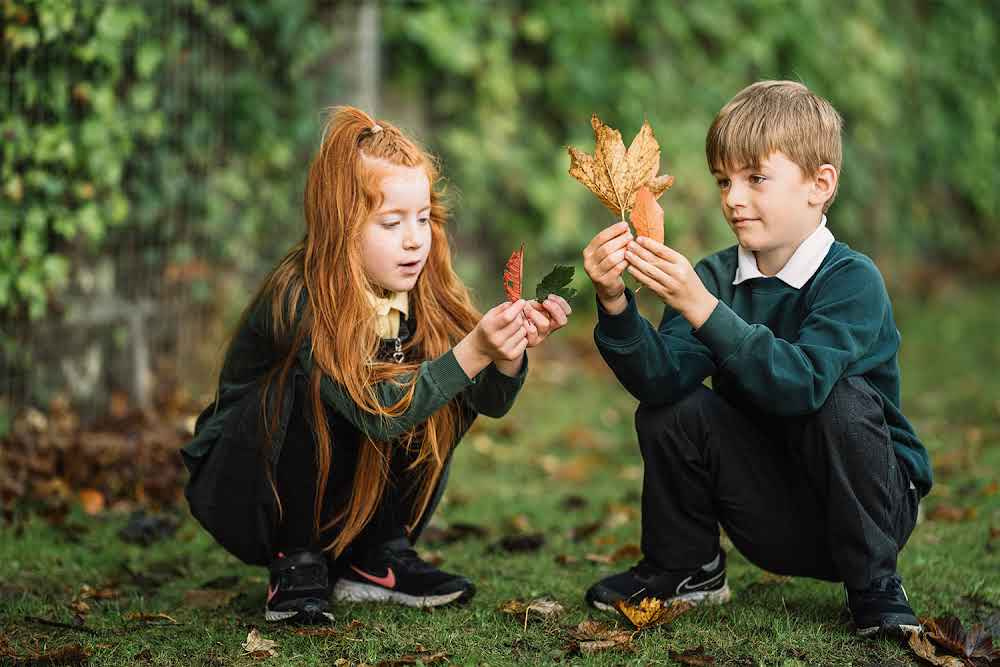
[[542, 319], [670, 275]]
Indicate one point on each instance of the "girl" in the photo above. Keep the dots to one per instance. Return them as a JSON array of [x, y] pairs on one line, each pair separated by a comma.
[[355, 371]]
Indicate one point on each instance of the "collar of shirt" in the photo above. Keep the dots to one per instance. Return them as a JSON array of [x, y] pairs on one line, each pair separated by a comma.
[[388, 311], [799, 268]]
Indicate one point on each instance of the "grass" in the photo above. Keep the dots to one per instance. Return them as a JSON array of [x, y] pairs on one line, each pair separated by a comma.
[[569, 435]]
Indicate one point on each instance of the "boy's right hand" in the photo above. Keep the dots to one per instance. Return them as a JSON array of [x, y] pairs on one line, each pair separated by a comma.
[[604, 261], [502, 334]]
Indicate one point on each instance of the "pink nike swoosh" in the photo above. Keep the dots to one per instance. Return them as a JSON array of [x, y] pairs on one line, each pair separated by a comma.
[[388, 581], [271, 592]]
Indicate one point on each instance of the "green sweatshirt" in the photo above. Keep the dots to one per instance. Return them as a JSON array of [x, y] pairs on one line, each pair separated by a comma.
[[779, 348]]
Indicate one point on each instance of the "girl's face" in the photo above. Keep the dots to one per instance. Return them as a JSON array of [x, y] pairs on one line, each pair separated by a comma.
[[396, 238]]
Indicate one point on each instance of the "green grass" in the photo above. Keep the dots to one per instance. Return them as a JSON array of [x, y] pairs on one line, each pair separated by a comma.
[[570, 434]]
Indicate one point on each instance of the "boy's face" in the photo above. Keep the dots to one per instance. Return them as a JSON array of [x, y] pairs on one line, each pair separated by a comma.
[[770, 206]]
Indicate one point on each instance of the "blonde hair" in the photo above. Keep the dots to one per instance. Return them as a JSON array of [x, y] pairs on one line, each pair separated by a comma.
[[770, 116], [341, 191]]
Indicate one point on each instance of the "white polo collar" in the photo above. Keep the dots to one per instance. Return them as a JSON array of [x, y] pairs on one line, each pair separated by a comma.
[[799, 268]]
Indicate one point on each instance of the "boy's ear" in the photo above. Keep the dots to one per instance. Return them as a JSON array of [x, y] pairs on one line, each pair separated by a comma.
[[824, 184]]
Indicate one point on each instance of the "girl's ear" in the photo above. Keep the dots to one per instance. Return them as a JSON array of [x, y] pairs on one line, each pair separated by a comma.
[[824, 185]]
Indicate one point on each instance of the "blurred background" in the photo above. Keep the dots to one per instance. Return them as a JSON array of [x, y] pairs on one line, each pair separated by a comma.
[[154, 156]]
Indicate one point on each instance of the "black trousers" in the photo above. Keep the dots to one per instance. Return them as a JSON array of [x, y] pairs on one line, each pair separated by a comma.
[[820, 495], [296, 475]]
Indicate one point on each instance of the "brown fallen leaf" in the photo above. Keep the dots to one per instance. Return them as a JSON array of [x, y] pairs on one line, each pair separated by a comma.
[[651, 612], [513, 274], [951, 513], [92, 501], [692, 656], [615, 174], [423, 658], [519, 543], [259, 646], [626, 552], [70, 654], [948, 633], [920, 645], [566, 559], [647, 216], [541, 608], [143, 617], [592, 636]]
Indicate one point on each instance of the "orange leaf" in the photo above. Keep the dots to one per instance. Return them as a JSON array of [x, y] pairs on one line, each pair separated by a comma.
[[92, 501], [512, 275], [647, 216]]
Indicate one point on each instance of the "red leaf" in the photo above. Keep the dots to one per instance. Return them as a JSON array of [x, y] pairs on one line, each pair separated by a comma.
[[512, 275]]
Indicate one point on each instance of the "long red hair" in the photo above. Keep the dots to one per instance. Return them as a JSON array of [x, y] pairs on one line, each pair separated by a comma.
[[338, 322]]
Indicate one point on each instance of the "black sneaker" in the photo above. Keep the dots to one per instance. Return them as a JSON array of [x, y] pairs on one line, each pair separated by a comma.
[[299, 589], [706, 585], [882, 608], [395, 573]]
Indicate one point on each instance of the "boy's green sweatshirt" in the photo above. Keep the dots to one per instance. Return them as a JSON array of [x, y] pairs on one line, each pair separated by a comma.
[[773, 346]]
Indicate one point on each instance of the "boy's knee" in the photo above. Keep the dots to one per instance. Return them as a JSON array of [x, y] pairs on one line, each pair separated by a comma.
[[651, 421], [851, 398]]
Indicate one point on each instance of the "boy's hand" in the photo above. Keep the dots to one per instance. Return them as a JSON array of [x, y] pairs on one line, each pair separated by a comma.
[[542, 319], [604, 261], [670, 275]]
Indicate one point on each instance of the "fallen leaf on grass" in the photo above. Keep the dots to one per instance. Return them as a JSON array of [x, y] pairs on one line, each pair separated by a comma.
[[948, 633], [70, 654], [627, 552], [651, 612], [453, 533], [259, 646], [540, 608], [573, 502], [319, 631], [920, 645], [212, 598], [951, 513], [423, 658], [150, 619], [692, 656], [592, 636], [519, 543], [92, 501], [566, 559]]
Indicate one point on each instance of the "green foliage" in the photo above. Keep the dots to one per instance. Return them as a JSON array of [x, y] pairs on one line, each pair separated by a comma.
[[152, 132], [556, 282], [508, 85]]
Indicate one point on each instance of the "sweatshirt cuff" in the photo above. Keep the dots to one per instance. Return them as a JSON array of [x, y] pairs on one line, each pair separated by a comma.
[[722, 332], [623, 327], [447, 375], [493, 375]]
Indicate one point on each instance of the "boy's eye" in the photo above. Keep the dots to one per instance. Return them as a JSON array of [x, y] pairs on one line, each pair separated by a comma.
[[757, 179], [424, 220], [723, 183], [389, 223]]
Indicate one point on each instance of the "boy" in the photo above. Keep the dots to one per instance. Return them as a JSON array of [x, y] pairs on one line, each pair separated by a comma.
[[799, 450]]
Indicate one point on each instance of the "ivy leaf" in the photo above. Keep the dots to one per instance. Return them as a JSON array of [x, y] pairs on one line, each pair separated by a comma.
[[557, 282]]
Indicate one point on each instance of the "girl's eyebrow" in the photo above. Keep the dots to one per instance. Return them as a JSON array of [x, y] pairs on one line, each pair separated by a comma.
[[402, 210]]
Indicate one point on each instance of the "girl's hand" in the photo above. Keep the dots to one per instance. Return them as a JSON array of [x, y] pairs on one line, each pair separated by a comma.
[[670, 275], [542, 319], [502, 334], [604, 261]]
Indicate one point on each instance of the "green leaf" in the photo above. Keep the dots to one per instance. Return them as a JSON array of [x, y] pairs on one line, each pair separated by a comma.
[[557, 282]]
